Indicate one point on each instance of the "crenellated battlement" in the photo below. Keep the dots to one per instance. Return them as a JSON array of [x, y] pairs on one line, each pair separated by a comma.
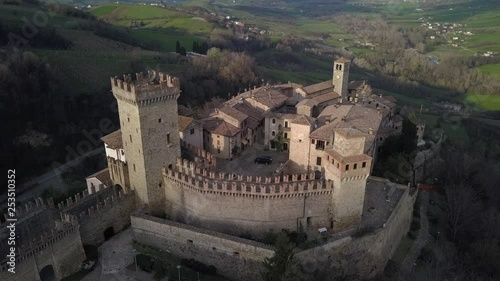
[[146, 89], [42, 242], [98, 208], [205, 181], [205, 159], [32, 206], [70, 201]]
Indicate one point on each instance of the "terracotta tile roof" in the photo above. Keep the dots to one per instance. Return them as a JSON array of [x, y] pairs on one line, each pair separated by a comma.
[[353, 85], [383, 100], [103, 176], [324, 132], [248, 109], [350, 132], [347, 159], [326, 97], [272, 114], [220, 127], [113, 140], [314, 88], [303, 120], [364, 118], [236, 114], [307, 102], [342, 60], [268, 97], [184, 123], [252, 123]]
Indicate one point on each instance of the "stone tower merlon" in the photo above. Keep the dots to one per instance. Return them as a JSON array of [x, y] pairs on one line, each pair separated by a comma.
[[145, 89], [341, 77], [147, 107]]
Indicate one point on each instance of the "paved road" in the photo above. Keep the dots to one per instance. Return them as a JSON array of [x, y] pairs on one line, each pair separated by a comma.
[[33, 188]]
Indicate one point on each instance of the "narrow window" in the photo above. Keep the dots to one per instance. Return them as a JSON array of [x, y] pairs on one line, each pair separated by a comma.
[[159, 120], [273, 133], [168, 138], [355, 166], [363, 165], [286, 124], [312, 141], [318, 161], [274, 121], [134, 167], [347, 167], [130, 136], [286, 135], [192, 131], [128, 119]]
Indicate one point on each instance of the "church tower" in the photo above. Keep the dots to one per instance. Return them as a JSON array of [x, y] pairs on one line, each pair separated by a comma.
[[341, 77], [348, 167], [147, 108]]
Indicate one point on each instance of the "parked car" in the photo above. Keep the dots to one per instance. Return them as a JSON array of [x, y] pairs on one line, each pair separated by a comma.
[[264, 160]]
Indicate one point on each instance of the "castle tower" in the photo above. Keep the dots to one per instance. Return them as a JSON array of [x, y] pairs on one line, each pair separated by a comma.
[[147, 108], [341, 77], [348, 167]]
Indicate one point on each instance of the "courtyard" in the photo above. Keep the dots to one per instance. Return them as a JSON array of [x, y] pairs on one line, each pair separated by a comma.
[[244, 164]]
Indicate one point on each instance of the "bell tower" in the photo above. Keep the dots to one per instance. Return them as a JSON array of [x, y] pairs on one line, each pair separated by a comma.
[[147, 107], [341, 77]]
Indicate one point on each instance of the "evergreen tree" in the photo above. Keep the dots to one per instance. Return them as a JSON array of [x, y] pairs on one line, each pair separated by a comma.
[[182, 51], [196, 47], [282, 265], [178, 47]]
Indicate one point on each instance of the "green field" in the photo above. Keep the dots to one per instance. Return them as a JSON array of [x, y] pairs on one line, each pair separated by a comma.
[[452, 126], [492, 69], [484, 102], [152, 17], [166, 41]]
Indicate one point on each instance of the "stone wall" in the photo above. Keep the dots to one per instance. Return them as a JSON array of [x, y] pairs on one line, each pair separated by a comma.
[[150, 131], [235, 258], [364, 254], [239, 205], [110, 212], [62, 249]]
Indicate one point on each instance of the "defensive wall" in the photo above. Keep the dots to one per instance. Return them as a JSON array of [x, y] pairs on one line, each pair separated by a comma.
[[61, 248], [363, 252], [203, 159], [238, 204], [99, 215], [235, 258]]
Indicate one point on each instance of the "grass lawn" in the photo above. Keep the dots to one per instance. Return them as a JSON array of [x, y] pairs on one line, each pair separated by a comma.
[[405, 100], [484, 102], [452, 126], [492, 69], [166, 41]]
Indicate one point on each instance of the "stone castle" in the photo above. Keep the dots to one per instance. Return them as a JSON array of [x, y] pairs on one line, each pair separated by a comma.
[[165, 162]]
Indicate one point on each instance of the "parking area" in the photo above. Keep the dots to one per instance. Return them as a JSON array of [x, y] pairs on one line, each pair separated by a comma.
[[245, 163]]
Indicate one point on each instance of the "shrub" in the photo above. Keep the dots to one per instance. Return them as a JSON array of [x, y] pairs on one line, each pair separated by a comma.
[[199, 266], [145, 262]]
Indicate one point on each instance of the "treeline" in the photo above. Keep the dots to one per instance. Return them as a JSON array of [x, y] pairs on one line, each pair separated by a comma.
[[44, 38], [401, 53], [219, 74], [44, 122]]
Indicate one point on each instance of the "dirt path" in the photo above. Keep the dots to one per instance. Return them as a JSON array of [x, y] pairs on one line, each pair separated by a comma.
[[422, 239]]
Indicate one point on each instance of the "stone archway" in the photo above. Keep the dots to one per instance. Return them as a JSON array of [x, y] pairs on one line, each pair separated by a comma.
[[47, 273], [108, 233]]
